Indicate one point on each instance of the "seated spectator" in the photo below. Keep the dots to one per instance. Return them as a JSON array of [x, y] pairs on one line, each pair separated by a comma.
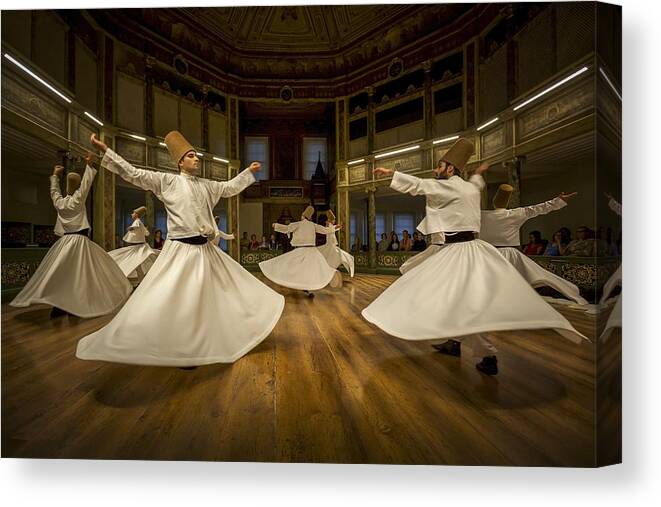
[[394, 242], [419, 243], [535, 245], [583, 245], [245, 242], [264, 244], [556, 246], [273, 243], [254, 244], [384, 243], [158, 239], [407, 244]]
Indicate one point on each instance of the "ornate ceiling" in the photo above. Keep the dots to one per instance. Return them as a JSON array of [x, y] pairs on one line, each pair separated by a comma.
[[301, 29], [297, 42]]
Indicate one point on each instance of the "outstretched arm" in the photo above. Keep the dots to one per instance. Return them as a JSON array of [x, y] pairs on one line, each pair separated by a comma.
[[55, 194], [86, 182], [285, 229], [477, 179], [405, 183], [528, 212], [147, 180], [236, 185]]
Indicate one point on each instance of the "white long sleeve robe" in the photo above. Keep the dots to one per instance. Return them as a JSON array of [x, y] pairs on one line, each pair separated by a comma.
[[188, 200], [136, 233], [501, 227], [71, 211]]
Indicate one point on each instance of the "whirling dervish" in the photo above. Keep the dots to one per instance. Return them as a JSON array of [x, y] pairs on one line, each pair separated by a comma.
[[204, 306], [501, 227], [333, 254], [137, 257], [303, 268], [465, 288], [77, 276]]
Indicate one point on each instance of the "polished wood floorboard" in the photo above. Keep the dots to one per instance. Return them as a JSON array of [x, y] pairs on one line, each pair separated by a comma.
[[325, 386]]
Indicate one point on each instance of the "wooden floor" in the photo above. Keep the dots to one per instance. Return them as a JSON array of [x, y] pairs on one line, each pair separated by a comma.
[[326, 386]]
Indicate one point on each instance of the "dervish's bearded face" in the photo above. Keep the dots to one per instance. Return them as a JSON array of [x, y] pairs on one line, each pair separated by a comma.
[[189, 163], [443, 170]]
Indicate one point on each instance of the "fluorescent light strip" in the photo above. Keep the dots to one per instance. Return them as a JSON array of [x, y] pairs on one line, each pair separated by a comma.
[[199, 154], [95, 120], [601, 69], [439, 141], [403, 150], [552, 87], [487, 123], [139, 138], [356, 161], [28, 71], [163, 144], [221, 160]]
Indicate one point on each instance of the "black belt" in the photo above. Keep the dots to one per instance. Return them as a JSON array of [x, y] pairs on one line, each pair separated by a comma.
[[83, 232], [194, 240], [459, 237]]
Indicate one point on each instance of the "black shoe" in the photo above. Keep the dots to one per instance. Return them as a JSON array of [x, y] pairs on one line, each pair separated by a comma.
[[488, 365], [57, 312], [450, 347], [188, 367], [309, 294]]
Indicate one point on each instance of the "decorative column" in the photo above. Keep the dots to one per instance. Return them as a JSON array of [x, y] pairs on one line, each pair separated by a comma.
[[234, 247], [150, 219], [513, 167], [103, 226], [233, 169], [371, 119], [428, 101], [344, 218], [371, 224]]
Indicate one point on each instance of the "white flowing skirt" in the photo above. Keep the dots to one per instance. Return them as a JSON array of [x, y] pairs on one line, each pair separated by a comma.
[[77, 276], [196, 306], [462, 289], [614, 281], [303, 268], [130, 258], [335, 257], [537, 276], [419, 258]]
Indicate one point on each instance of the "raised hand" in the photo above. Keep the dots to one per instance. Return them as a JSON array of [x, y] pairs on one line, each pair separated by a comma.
[[255, 167], [382, 171], [58, 170], [566, 197], [100, 145], [484, 167]]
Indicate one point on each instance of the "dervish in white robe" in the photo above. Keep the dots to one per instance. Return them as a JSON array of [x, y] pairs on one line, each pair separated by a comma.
[[76, 276], [465, 288], [304, 267], [500, 227], [204, 307], [332, 252], [137, 258]]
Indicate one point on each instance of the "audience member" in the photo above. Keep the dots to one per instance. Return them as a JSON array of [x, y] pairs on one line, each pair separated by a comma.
[[407, 244], [535, 245], [384, 243]]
